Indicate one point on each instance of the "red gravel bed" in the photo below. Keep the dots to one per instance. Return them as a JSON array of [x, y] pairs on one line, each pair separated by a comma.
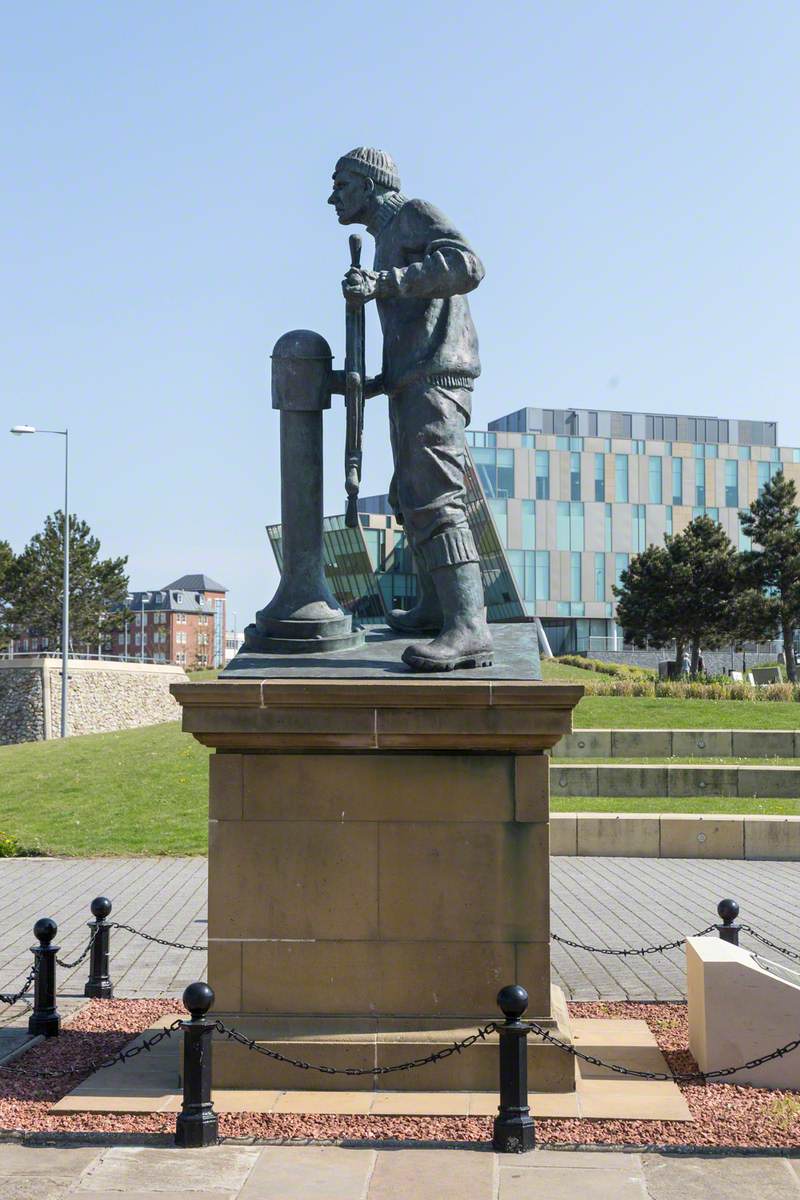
[[725, 1115]]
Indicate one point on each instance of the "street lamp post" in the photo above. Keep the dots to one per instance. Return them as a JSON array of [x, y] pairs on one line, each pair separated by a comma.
[[19, 430]]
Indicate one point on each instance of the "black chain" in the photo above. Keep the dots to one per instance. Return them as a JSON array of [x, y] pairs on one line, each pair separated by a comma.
[[121, 1056], [772, 945], [14, 997], [148, 937], [628, 952], [662, 1076], [77, 962], [480, 1035]]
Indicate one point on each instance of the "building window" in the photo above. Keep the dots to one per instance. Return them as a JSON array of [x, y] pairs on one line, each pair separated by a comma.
[[700, 485], [654, 477], [569, 525], [574, 576], [180, 657], [542, 474], [764, 475], [599, 476], [744, 453], [637, 446], [668, 520], [542, 574], [495, 470], [599, 576], [608, 526], [677, 481], [621, 477], [528, 525], [621, 562], [638, 527], [574, 476], [731, 483], [500, 513], [180, 618], [745, 542]]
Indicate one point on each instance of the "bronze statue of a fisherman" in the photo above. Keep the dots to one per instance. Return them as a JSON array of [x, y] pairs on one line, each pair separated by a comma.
[[424, 269]]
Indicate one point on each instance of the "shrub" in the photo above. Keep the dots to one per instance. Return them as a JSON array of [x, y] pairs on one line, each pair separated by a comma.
[[9, 846], [618, 670]]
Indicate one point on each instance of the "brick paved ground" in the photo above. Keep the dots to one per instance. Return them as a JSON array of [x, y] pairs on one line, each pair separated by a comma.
[[603, 901]]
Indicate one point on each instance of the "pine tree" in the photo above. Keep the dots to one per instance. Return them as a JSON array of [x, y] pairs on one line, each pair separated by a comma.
[[772, 567], [683, 591], [35, 584]]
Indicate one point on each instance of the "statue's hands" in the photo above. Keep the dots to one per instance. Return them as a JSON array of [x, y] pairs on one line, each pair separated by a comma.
[[359, 285]]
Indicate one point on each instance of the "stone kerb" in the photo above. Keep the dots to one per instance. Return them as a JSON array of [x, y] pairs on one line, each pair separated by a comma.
[[675, 835], [674, 780]]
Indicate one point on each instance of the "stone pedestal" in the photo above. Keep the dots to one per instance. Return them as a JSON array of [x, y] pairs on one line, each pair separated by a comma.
[[378, 869]]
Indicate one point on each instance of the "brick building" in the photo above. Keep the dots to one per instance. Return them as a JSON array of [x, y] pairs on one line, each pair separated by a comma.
[[181, 623]]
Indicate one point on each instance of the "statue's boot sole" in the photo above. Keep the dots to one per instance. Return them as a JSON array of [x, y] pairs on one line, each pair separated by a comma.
[[411, 630], [418, 662]]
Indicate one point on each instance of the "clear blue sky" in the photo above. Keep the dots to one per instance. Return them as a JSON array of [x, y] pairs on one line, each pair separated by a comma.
[[629, 173]]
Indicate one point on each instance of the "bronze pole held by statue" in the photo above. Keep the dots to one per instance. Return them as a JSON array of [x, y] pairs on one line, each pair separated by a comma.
[[354, 370]]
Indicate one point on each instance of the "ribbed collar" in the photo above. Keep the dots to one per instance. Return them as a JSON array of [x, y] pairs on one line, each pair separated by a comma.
[[388, 209]]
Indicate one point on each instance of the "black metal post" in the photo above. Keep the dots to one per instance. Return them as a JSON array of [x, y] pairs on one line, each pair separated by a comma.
[[99, 985], [197, 1123], [728, 931], [514, 1131], [45, 1018]]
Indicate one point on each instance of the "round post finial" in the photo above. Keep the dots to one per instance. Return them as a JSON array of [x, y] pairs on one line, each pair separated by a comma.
[[728, 911], [101, 908], [512, 1001], [198, 998], [45, 930]]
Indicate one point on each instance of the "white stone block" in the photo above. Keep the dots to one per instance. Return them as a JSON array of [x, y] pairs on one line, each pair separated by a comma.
[[740, 1010]]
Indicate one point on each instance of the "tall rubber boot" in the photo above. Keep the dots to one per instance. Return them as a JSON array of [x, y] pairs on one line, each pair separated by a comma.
[[426, 616], [464, 640]]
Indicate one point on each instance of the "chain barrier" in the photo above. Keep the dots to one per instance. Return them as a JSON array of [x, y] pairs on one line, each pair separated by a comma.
[[77, 961], [14, 997], [662, 1076], [626, 953], [772, 945], [122, 1056], [148, 937], [480, 1035]]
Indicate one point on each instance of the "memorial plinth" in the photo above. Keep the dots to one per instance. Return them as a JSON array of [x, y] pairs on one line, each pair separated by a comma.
[[379, 862]]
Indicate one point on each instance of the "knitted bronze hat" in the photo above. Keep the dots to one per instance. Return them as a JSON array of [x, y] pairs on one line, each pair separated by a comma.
[[376, 164]]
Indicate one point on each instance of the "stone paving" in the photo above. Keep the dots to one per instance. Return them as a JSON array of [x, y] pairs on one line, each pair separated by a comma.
[[600, 901], [248, 1172]]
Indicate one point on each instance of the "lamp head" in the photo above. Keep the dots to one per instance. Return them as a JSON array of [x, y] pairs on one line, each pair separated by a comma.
[[20, 429]]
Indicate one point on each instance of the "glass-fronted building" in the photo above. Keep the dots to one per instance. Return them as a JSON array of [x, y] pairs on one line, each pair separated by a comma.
[[559, 500]]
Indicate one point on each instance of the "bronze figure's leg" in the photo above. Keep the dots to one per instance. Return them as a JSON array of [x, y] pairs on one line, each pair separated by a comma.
[[428, 425]]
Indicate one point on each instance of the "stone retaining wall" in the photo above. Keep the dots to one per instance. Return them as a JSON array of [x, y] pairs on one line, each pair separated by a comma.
[[103, 696], [675, 835], [680, 743], [21, 706], [679, 780]]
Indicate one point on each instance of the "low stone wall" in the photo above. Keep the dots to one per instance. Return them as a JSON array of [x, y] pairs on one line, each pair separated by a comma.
[[679, 780], [716, 662], [679, 743], [21, 705], [675, 835], [103, 696]]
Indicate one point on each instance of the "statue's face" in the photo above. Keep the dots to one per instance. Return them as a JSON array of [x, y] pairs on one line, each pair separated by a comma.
[[351, 196]]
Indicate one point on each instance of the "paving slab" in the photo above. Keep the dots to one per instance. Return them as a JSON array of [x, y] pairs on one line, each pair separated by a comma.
[[57, 1162], [310, 1173], [34, 1187], [426, 1175], [676, 1177], [571, 1183], [142, 1169]]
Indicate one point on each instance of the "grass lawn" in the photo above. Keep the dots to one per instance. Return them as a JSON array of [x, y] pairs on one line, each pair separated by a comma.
[[721, 805], [650, 712], [140, 791]]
